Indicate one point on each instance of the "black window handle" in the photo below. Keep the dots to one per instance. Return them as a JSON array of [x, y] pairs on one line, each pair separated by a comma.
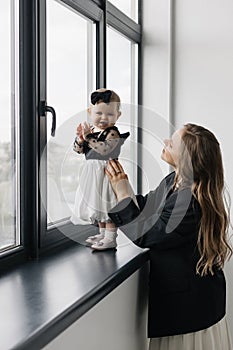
[[43, 109]]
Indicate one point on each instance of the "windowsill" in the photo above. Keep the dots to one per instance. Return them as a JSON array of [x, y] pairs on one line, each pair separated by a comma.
[[42, 298]]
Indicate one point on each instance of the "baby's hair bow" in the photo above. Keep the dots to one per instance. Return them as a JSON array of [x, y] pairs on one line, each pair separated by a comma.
[[104, 96]]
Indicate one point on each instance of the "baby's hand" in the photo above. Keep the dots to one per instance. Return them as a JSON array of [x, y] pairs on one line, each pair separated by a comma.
[[86, 129], [80, 132]]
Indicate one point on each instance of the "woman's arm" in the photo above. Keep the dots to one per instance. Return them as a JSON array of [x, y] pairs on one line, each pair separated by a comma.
[[160, 220], [171, 224], [118, 179]]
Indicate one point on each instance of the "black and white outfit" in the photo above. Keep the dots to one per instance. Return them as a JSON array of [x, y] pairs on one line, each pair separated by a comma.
[[95, 197], [186, 311]]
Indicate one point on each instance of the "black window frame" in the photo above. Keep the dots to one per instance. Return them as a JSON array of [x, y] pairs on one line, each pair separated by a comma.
[[35, 241]]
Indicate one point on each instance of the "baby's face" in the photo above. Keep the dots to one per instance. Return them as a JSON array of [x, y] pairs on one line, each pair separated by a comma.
[[104, 115]]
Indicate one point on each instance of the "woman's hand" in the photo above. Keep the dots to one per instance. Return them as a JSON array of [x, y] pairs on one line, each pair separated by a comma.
[[118, 179]]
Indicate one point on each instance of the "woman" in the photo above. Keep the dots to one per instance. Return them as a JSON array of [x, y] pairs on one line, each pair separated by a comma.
[[184, 222]]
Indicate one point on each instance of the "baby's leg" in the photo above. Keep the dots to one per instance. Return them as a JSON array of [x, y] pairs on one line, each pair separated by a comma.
[[102, 228], [109, 240], [96, 238]]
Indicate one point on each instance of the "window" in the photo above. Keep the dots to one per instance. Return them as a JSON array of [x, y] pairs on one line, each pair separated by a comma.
[[122, 77], [67, 49], [129, 7], [71, 65], [9, 131]]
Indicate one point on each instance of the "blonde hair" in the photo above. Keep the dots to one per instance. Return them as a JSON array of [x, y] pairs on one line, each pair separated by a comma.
[[200, 165]]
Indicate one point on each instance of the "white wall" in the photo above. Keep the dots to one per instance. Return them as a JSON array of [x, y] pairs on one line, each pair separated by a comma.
[[156, 88], [118, 321], [202, 74]]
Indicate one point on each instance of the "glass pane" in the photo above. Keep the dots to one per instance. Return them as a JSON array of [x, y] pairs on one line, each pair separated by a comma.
[[70, 71], [9, 201], [122, 78], [129, 7]]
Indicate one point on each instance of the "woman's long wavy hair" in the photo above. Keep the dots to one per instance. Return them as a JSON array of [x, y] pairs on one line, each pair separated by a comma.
[[200, 167]]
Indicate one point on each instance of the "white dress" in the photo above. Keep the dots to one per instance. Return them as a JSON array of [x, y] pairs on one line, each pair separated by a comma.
[[95, 197], [216, 337]]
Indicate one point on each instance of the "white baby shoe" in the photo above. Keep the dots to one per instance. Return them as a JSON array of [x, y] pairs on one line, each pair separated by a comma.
[[94, 239], [108, 242], [104, 244]]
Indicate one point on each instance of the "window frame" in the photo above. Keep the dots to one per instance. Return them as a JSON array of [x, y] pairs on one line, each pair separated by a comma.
[[54, 237], [35, 240], [28, 249]]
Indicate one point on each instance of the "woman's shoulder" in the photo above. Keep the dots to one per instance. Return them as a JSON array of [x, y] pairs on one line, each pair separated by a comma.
[[168, 180], [181, 194], [170, 176]]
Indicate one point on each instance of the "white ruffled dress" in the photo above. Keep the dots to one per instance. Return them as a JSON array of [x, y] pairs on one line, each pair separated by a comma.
[[95, 197]]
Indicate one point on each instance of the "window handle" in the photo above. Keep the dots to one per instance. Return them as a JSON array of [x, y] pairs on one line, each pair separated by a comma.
[[43, 109]]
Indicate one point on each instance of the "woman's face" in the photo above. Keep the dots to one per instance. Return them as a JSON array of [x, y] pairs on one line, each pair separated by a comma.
[[171, 150]]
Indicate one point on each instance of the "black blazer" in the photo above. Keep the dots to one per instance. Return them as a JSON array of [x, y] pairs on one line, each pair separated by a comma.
[[167, 222]]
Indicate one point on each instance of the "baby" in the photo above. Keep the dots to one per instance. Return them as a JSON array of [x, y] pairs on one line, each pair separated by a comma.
[[100, 142]]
